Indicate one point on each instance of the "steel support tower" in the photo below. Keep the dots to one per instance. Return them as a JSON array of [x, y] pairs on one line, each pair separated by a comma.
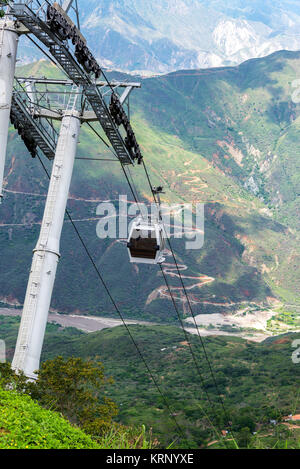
[[29, 108], [8, 52], [46, 254]]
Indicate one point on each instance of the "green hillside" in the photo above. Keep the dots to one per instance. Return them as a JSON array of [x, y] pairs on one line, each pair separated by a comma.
[[226, 137], [258, 382], [25, 425]]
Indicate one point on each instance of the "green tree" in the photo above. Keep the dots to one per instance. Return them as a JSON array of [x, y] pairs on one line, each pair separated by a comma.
[[10, 380], [243, 421], [76, 388], [244, 438]]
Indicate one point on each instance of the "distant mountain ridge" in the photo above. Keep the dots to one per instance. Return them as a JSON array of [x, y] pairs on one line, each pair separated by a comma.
[[160, 37]]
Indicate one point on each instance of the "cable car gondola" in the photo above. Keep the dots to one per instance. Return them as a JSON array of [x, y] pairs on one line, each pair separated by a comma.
[[146, 242]]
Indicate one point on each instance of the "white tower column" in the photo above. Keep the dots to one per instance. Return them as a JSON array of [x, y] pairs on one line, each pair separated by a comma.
[[46, 254], [8, 52]]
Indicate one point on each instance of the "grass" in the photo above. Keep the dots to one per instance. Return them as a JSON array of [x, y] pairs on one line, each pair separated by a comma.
[[25, 425], [125, 438]]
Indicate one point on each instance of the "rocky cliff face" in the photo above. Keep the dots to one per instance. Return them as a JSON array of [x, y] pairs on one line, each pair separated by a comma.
[[167, 35]]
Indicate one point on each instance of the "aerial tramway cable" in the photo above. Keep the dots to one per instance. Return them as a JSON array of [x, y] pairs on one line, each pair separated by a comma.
[[134, 192], [191, 349], [221, 401], [171, 413], [179, 317]]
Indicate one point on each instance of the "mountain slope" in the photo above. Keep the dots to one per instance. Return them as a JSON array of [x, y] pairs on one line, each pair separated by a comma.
[[208, 136], [243, 120]]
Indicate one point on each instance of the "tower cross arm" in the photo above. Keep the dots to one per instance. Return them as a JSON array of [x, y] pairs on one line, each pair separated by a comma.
[[67, 5], [126, 94], [86, 116]]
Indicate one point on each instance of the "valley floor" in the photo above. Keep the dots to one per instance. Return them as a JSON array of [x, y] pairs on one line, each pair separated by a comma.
[[250, 326], [83, 323]]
